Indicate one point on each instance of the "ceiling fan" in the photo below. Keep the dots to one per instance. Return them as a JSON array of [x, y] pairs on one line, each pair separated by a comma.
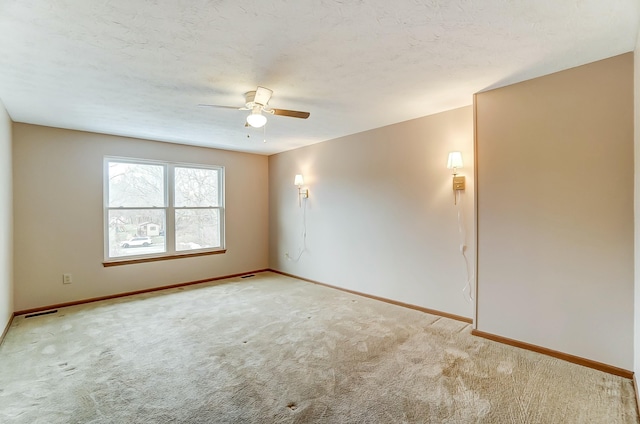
[[257, 102]]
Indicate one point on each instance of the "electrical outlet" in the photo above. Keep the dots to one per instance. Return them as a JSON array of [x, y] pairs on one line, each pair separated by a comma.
[[66, 279]]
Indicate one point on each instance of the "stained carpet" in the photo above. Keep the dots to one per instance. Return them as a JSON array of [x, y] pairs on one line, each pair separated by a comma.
[[272, 349]]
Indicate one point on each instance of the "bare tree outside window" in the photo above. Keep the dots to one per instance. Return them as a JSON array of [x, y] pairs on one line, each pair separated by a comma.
[[136, 185]]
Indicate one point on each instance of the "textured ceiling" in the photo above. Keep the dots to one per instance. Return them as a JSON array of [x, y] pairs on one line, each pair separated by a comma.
[[140, 68]]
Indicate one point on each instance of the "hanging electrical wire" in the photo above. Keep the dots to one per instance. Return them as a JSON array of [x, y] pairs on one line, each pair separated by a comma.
[[304, 235], [467, 290]]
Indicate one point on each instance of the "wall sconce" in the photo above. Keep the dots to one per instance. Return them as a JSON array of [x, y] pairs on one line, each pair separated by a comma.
[[455, 162], [299, 181]]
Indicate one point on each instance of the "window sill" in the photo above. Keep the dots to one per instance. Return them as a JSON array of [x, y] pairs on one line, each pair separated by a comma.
[[160, 258]]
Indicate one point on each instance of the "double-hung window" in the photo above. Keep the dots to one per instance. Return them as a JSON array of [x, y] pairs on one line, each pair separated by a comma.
[[161, 209]]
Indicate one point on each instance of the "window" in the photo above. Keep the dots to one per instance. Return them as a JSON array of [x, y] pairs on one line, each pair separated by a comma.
[[158, 209]]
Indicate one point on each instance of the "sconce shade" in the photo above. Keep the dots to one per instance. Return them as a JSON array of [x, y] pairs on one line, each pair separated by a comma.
[[298, 180], [256, 120], [455, 160]]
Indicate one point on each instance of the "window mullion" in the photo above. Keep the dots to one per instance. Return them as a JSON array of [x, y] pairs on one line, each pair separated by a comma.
[[170, 233]]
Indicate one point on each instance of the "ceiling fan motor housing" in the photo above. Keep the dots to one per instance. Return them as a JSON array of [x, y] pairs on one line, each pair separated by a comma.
[[260, 96], [249, 99]]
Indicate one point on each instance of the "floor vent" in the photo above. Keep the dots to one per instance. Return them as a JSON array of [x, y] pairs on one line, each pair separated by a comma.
[[37, 314], [247, 276]]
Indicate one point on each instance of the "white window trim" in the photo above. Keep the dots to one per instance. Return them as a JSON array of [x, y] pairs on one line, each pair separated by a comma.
[[171, 252]]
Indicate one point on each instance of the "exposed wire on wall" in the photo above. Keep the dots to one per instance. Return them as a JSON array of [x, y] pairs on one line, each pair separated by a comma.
[[304, 235], [467, 290]]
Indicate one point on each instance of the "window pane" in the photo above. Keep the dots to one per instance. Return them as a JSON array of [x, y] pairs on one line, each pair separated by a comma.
[[196, 187], [135, 185], [197, 229], [136, 232]]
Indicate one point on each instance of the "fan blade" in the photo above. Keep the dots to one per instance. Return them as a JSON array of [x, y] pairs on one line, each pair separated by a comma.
[[223, 107], [291, 113], [263, 95]]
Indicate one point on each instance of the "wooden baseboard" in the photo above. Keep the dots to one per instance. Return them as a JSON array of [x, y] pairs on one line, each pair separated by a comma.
[[554, 353], [4, 333], [382, 299], [115, 296]]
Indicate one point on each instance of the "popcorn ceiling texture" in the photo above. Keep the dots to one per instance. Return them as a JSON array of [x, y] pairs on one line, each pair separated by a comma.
[[140, 68], [275, 349]]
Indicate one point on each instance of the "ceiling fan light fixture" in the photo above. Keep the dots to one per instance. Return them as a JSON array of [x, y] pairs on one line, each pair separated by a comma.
[[256, 119]]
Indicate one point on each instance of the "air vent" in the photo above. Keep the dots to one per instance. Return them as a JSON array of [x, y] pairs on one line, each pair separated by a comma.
[[37, 314]]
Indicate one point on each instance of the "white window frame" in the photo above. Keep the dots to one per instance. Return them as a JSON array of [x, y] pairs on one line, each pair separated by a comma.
[[169, 208]]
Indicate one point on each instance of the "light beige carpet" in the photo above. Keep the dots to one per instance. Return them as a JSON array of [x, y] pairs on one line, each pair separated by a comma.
[[271, 349]]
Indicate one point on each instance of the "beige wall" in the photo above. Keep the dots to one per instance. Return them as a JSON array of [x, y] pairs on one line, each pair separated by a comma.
[[636, 126], [58, 216], [380, 216], [6, 224], [555, 211]]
